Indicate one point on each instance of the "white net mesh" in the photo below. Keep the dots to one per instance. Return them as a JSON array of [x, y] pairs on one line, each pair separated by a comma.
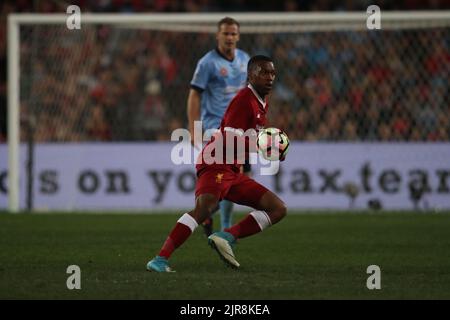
[[337, 81]]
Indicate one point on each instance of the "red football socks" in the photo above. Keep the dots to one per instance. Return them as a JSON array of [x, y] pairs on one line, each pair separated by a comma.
[[179, 234], [176, 238], [246, 227]]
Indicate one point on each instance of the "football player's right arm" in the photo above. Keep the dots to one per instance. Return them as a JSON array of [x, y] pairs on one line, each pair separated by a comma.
[[238, 115], [193, 114], [198, 84], [238, 120]]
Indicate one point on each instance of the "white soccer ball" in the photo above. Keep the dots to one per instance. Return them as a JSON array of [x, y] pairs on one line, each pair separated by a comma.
[[272, 144]]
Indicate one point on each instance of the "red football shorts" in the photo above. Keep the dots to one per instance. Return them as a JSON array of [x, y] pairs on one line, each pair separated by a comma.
[[225, 183]]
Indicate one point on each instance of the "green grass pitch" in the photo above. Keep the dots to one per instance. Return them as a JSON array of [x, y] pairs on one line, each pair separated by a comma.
[[306, 256]]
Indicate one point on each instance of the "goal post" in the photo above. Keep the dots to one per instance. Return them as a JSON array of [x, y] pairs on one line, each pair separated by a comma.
[[13, 113], [255, 24]]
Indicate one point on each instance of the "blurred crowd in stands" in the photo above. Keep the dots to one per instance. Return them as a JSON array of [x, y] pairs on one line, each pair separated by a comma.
[[109, 84], [139, 6]]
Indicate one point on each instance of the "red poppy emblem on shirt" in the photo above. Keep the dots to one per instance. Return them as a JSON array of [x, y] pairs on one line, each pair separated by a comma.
[[223, 71]]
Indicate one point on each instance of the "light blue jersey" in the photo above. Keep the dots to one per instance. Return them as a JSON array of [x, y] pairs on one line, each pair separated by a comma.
[[219, 79]]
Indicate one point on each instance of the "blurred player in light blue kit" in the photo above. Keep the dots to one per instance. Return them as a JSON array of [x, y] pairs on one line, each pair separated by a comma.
[[219, 75]]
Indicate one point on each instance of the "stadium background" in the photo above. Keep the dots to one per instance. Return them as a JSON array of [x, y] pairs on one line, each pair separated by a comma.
[[332, 87], [136, 82], [128, 85]]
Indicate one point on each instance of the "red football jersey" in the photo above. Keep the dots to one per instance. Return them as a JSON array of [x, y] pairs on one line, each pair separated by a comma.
[[246, 111]]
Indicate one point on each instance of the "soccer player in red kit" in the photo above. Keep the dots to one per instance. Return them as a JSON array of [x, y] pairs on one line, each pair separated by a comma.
[[221, 179]]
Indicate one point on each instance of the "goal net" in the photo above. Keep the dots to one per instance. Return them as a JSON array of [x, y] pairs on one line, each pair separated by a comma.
[[125, 78]]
